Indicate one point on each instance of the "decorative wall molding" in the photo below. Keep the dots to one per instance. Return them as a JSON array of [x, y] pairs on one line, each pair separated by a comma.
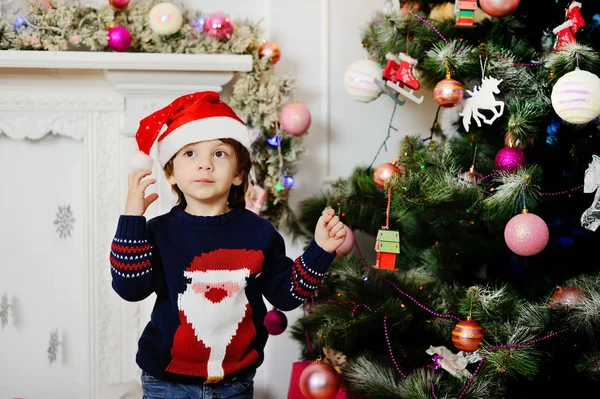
[[21, 125], [96, 98], [129, 82]]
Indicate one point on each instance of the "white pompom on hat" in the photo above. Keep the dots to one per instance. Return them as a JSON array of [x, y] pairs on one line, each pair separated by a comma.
[[188, 119]]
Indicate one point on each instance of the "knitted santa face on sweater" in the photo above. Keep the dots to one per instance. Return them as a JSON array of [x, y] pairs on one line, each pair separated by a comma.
[[188, 119]]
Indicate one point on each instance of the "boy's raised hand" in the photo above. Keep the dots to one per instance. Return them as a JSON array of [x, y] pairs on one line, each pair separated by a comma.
[[137, 201], [330, 232]]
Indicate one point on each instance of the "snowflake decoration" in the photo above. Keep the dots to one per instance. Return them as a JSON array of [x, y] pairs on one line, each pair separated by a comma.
[[4, 310], [53, 346], [64, 221]]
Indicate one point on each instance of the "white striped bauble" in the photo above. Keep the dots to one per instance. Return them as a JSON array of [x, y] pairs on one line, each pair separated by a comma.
[[359, 80], [576, 97]]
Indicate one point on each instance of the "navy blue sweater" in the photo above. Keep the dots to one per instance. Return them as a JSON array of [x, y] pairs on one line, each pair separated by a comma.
[[209, 274]]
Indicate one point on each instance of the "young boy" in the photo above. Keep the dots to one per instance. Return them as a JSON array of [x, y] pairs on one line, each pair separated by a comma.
[[209, 260]]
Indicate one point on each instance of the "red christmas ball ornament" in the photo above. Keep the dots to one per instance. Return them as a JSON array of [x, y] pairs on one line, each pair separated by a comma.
[[498, 8], [526, 234], [275, 321], [385, 172], [270, 51], [509, 159], [119, 3], [295, 119], [218, 26], [347, 245], [320, 381], [567, 296], [448, 92], [467, 335]]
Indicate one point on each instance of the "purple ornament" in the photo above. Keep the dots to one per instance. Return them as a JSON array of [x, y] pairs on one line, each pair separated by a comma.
[[436, 362], [509, 159], [288, 181], [119, 38], [275, 321], [218, 26]]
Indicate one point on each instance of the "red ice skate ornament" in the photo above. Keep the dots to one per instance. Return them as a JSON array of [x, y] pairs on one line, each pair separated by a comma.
[[398, 73]]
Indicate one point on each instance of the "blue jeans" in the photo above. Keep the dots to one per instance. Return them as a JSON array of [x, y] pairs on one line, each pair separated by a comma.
[[239, 387]]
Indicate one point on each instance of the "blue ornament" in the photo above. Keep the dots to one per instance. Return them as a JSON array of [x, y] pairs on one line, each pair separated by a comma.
[[274, 141], [19, 23], [552, 129], [565, 242], [288, 181], [199, 23], [596, 19]]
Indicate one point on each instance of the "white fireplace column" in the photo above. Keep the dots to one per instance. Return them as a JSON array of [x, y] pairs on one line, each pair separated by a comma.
[[92, 102]]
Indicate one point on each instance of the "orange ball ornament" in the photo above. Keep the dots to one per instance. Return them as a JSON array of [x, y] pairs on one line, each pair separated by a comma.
[[385, 172], [270, 51], [467, 335], [320, 381], [448, 92]]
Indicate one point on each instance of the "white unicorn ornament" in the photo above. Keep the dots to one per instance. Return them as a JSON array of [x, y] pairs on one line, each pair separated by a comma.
[[590, 219], [482, 98]]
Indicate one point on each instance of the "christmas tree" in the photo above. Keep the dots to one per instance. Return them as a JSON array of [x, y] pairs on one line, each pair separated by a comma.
[[483, 281]]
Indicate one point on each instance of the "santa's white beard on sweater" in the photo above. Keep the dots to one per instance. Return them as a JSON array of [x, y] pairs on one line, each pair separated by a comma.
[[214, 323]]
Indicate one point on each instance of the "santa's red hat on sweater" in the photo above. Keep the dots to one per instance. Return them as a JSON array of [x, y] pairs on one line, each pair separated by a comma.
[[188, 119]]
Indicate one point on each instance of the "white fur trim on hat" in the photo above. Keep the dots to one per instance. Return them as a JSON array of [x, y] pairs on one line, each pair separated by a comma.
[[217, 276], [139, 160], [218, 127], [574, 4]]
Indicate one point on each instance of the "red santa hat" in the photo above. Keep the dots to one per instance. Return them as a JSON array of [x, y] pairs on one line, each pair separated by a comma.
[[189, 119], [226, 265]]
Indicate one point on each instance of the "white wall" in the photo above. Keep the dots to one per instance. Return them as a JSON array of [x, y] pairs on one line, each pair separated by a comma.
[[318, 40]]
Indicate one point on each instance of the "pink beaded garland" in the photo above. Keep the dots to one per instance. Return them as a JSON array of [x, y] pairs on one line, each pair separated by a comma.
[[218, 26], [448, 92], [509, 159], [295, 118], [526, 234], [119, 38]]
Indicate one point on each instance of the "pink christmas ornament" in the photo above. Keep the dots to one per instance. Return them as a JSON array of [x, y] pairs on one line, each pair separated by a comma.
[[498, 8], [295, 118], [509, 159], [119, 38], [275, 321], [119, 3], [218, 26], [347, 245], [526, 234]]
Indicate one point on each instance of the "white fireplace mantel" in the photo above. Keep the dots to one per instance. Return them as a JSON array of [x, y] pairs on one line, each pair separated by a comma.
[[97, 99], [135, 83]]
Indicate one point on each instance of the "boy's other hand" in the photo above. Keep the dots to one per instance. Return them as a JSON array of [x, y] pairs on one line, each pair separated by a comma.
[[137, 201], [329, 232]]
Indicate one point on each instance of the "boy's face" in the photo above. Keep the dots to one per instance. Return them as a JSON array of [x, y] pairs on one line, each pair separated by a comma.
[[205, 171]]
